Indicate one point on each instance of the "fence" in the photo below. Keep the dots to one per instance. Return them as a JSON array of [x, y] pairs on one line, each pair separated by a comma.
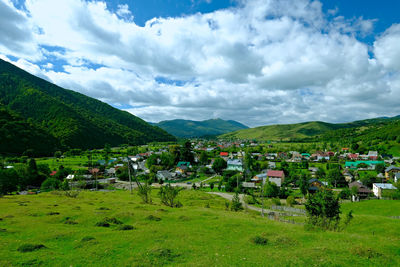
[[288, 209], [276, 217]]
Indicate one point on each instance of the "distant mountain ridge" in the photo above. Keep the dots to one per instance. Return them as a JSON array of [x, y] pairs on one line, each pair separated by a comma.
[[304, 130], [75, 120], [188, 128]]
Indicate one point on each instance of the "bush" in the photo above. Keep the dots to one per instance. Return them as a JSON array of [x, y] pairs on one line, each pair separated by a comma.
[[291, 201], [30, 247], [323, 210], [144, 192], [125, 227], [50, 184], [153, 218], [276, 201], [168, 195], [236, 205], [259, 240]]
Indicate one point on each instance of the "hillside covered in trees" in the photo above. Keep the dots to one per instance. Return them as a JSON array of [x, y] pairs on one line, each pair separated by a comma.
[[317, 130], [188, 128], [75, 120]]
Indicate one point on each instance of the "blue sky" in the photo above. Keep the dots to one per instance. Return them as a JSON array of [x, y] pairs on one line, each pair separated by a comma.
[[255, 61]]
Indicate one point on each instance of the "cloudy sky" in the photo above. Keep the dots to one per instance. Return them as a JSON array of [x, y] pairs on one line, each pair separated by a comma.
[[257, 62]]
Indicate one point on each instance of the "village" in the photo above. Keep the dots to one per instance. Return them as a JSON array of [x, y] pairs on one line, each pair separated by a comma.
[[225, 166]]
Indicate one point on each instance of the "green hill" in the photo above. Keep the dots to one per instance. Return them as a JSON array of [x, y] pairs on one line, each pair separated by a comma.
[[187, 128], [307, 130], [17, 135], [76, 120]]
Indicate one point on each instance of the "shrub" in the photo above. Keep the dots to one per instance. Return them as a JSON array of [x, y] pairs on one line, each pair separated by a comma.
[[290, 201], [259, 240], [69, 220], [102, 224], [30, 247], [236, 205], [323, 209], [144, 192], [168, 195], [276, 201], [50, 184], [87, 238], [153, 218], [125, 227]]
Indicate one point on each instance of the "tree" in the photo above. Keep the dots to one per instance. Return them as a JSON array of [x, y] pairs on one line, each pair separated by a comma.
[[203, 158], [50, 184], [8, 181], [303, 184], [219, 164], [271, 189], [236, 205], [320, 173], [380, 168], [354, 191], [335, 177], [168, 195], [345, 193], [186, 152], [323, 209], [211, 186], [145, 192]]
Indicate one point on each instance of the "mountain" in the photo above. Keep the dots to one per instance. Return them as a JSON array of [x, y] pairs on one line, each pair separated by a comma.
[[17, 135], [303, 130], [75, 120], [188, 128]]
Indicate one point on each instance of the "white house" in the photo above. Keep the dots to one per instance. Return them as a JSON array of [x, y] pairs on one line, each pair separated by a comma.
[[378, 188]]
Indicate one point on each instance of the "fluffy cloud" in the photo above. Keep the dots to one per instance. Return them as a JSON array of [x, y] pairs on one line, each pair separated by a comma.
[[261, 62]]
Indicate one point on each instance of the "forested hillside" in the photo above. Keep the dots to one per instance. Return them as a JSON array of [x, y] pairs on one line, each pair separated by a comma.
[[18, 136], [76, 120], [188, 128], [317, 130]]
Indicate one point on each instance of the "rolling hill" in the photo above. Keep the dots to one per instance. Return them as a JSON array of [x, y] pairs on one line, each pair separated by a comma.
[[308, 130], [188, 128], [75, 120]]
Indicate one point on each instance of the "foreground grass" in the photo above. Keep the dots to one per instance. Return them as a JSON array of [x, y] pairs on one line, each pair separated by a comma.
[[50, 229]]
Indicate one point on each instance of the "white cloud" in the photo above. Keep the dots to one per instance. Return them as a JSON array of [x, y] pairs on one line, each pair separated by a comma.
[[261, 62]]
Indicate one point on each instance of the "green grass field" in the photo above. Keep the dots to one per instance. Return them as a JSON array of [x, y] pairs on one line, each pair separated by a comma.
[[193, 235]]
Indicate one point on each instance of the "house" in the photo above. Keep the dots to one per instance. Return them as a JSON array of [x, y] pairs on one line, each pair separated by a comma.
[[353, 156], [396, 177], [362, 191], [306, 155], [235, 165], [271, 165], [314, 185], [348, 176], [379, 188], [259, 177], [165, 175], [53, 173], [223, 154], [354, 164], [182, 167], [276, 177], [390, 171], [111, 171], [373, 155]]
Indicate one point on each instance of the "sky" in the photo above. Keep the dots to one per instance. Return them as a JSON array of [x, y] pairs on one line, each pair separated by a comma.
[[258, 62]]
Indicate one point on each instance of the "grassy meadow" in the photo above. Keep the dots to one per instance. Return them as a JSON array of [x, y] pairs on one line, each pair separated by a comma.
[[201, 233]]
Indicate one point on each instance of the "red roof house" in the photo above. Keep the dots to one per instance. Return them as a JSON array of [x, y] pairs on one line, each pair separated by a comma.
[[224, 154]]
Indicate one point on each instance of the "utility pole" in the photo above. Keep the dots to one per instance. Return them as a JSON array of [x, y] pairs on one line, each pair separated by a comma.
[[129, 172], [262, 198]]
